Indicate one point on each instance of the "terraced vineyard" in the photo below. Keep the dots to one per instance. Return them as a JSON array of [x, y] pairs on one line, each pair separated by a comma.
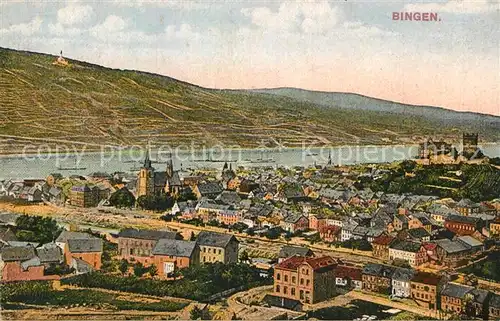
[[42, 103]]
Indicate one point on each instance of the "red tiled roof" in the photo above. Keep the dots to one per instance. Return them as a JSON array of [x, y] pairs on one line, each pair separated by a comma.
[[315, 262], [291, 263], [333, 228], [430, 246], [383, 240], [320, 262], [352, 272], [426, 278]]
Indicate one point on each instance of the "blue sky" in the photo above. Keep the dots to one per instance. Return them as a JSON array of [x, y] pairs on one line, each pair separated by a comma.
[[324, 45]]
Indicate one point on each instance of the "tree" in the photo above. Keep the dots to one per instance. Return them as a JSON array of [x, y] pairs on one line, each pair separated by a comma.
[[37, 229], [153, 270], [122, 198], [123, 267], [244, 257], [196, 313], [139, 269]]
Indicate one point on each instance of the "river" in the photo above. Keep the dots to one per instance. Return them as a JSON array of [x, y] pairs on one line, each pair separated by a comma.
[[42, 164]]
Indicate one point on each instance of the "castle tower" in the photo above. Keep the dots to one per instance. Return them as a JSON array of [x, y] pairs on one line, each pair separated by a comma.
[[145, 181]]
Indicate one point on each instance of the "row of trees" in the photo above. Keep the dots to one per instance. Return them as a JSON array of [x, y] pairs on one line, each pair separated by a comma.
[[123, 198], [197, 282]]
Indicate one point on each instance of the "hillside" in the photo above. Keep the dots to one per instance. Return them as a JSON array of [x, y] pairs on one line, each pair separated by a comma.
[[360, 102], [42, 103]]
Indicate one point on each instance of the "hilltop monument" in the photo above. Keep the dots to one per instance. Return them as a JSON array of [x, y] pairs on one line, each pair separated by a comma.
[[60, 60]]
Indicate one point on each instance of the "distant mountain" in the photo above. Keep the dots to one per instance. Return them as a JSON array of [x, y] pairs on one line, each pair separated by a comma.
[[354, 101], [42, 103]]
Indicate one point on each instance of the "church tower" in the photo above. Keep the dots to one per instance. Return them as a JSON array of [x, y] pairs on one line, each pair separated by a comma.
[[170, 166], [145, 181]]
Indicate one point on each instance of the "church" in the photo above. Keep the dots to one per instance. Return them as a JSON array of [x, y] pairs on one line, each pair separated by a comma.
[[151, 182]]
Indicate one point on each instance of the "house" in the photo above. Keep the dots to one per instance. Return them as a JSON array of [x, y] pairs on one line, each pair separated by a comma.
[[217, 247], [380, 246], [494, 307], [425, 289], [412, 252], [419, 220], [419, 234], [401, 282], [349, 276], [454, 297], [20, 263], [50, 254], [170, 255], [479, 303], [463, 225], [63, 238], [400, 222], [439, 213], [6, 235], [495, 226], [84, 196], [377, 278], [137, 245], [451, 253], [88, 250], [347, 231], [295, 222], [209, 190], [306, 279], [288, 251], [34, 194], [467, 207], [471, 243], [55, 195], [330, 233]]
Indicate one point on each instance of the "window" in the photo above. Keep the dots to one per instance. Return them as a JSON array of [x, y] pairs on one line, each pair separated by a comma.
[[293, 279], [131, 251], [278, 276], [286, 278], [293, 291], [301, 281], [301, 294], [307, 282], [220, 251], [285, 290], [277, 288]]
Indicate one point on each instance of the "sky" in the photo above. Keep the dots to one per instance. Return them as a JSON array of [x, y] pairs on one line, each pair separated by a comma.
[[345, 46]]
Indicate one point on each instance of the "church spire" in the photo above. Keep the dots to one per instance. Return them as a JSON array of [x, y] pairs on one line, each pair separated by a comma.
[[147, 161]]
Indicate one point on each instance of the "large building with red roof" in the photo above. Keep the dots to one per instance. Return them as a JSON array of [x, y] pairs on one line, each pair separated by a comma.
[[305, 279], [380, 246]]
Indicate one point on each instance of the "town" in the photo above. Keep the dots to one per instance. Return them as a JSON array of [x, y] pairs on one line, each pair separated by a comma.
[[419, 237]]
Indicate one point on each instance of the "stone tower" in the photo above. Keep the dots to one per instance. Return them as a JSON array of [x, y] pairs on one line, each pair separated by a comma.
[[145, 181]]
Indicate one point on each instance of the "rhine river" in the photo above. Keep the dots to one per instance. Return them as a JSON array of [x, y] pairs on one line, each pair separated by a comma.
[[128, 160]]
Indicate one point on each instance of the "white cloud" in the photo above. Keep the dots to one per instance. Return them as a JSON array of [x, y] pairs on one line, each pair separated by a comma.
[[174, 4], [74, 14], [455, 6], [292, 16], [24, 29], [114, 23], [184, 31]]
